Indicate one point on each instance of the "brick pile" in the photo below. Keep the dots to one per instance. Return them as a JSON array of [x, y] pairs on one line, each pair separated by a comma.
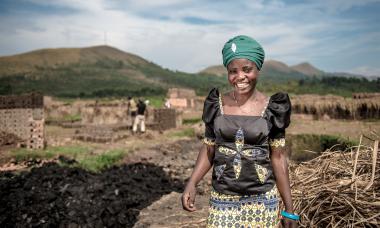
[[164, 118], [23, 116], [99, 134]]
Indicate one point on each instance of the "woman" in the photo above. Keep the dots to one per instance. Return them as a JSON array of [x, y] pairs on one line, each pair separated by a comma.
[[245, 144]]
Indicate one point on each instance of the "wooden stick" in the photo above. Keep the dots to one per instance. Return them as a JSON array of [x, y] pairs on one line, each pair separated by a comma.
[[374, 159], [356, 160]]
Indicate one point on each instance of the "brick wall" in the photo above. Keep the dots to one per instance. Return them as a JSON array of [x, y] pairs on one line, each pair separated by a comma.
[[23, 116], [165, 118]]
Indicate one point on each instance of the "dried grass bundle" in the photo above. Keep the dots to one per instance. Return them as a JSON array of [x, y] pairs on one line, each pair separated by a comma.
[[339, 188], [337, 107]]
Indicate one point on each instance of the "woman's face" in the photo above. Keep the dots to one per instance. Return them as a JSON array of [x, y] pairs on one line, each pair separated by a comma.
[[242, 75]]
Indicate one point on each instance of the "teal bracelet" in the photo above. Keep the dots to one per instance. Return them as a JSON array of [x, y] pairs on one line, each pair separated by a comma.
[[290, 216]]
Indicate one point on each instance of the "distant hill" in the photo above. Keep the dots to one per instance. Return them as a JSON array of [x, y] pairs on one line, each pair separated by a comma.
[[52, 58], [93, 71], [104, 71], [274, 65], [218, 70], [272, 69], [307, 69]]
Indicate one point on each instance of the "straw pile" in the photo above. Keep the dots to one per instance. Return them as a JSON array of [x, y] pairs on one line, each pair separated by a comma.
[[365, 95], [363, 106], [339, 188]]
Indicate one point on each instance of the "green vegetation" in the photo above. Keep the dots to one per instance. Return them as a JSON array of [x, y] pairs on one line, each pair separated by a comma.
[[105, 72], [156, 101], [79, 80], [337, 85], [22, 154], [72, 118], [83, 156], [66, 118], [186, 132], [192, 121], [200, 83], [322, 85], [93, 81], [102, 161], [307, 146]]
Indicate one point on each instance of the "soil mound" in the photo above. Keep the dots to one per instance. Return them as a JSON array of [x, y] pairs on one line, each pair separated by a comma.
[[56, 196]]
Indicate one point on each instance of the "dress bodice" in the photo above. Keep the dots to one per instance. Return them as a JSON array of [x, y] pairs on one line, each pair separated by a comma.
[[242, 154], [255, 129]]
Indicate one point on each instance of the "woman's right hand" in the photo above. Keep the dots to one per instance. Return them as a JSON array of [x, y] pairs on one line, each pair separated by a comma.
[[288, 223], [188, 197]]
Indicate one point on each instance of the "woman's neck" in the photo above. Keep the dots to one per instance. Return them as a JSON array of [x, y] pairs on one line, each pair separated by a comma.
[[242, 98]]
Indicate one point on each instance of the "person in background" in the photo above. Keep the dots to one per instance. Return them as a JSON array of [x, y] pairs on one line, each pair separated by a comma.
[[245, 145], [140, 117], [167, 103], [132, 109]]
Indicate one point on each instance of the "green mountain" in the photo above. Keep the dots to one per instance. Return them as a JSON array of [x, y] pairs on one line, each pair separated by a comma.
[[94, 71], [272, 70], [217, 70], [104, 71], [307, 69], [304, 78]]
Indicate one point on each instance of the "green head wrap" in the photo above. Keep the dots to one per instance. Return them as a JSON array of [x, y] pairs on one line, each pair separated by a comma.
[[243, 47]]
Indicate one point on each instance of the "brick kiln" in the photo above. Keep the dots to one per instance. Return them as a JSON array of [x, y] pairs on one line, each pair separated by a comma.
[[23, 116]]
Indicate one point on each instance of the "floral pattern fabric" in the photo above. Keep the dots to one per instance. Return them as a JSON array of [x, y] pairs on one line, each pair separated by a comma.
[[253, 211]]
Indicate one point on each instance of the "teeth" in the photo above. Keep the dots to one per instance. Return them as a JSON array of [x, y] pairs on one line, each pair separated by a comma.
[[242, 85]]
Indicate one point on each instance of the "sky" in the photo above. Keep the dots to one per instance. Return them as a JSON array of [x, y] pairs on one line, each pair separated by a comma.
[[188, 35]]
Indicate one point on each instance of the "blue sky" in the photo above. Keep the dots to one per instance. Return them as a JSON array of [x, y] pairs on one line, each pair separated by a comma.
[[188, 35]]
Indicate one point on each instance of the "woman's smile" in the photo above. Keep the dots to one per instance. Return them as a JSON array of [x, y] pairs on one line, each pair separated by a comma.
[[242, 74], [242, 85]]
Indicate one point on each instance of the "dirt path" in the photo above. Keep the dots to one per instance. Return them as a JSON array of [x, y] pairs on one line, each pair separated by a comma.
[[178, 160], [167, 212]]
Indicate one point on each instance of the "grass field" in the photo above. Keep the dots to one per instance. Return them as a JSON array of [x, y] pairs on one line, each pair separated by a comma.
[[84, 156]]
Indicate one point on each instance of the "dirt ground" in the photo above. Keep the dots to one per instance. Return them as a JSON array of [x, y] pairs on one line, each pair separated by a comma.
[[152, 174], [178, 160], [143, 192]]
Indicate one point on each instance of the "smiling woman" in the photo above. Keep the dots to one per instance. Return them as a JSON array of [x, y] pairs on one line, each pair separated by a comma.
[[245, 144]]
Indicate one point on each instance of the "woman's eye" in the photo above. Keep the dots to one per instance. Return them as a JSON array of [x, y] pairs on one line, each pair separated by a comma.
[[247, 70]]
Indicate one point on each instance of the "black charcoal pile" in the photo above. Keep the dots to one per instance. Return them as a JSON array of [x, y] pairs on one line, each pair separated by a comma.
[[57, 196]]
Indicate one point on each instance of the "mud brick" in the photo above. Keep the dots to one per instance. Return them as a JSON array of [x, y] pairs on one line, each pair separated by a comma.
[[99, 134], [33, 100], [165, 118], [37, 114], [23, 116]]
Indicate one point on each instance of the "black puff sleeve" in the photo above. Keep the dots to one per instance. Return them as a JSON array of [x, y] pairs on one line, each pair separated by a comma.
[[210, 110], [278, 114]]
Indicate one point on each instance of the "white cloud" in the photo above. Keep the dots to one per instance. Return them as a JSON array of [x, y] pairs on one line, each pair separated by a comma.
[[288, 33]]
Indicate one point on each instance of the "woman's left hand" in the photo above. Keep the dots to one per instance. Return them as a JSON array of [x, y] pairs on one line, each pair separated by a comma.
[[289, 223]]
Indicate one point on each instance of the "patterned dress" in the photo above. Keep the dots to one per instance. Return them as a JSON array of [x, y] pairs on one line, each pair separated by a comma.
[[244, 193]]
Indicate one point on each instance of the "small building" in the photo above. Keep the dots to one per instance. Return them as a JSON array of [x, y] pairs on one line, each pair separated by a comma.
[[184, 99]]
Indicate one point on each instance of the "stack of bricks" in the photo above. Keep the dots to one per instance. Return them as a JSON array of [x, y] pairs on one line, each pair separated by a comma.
[[165, 118], [99, 134], [23, 116]]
